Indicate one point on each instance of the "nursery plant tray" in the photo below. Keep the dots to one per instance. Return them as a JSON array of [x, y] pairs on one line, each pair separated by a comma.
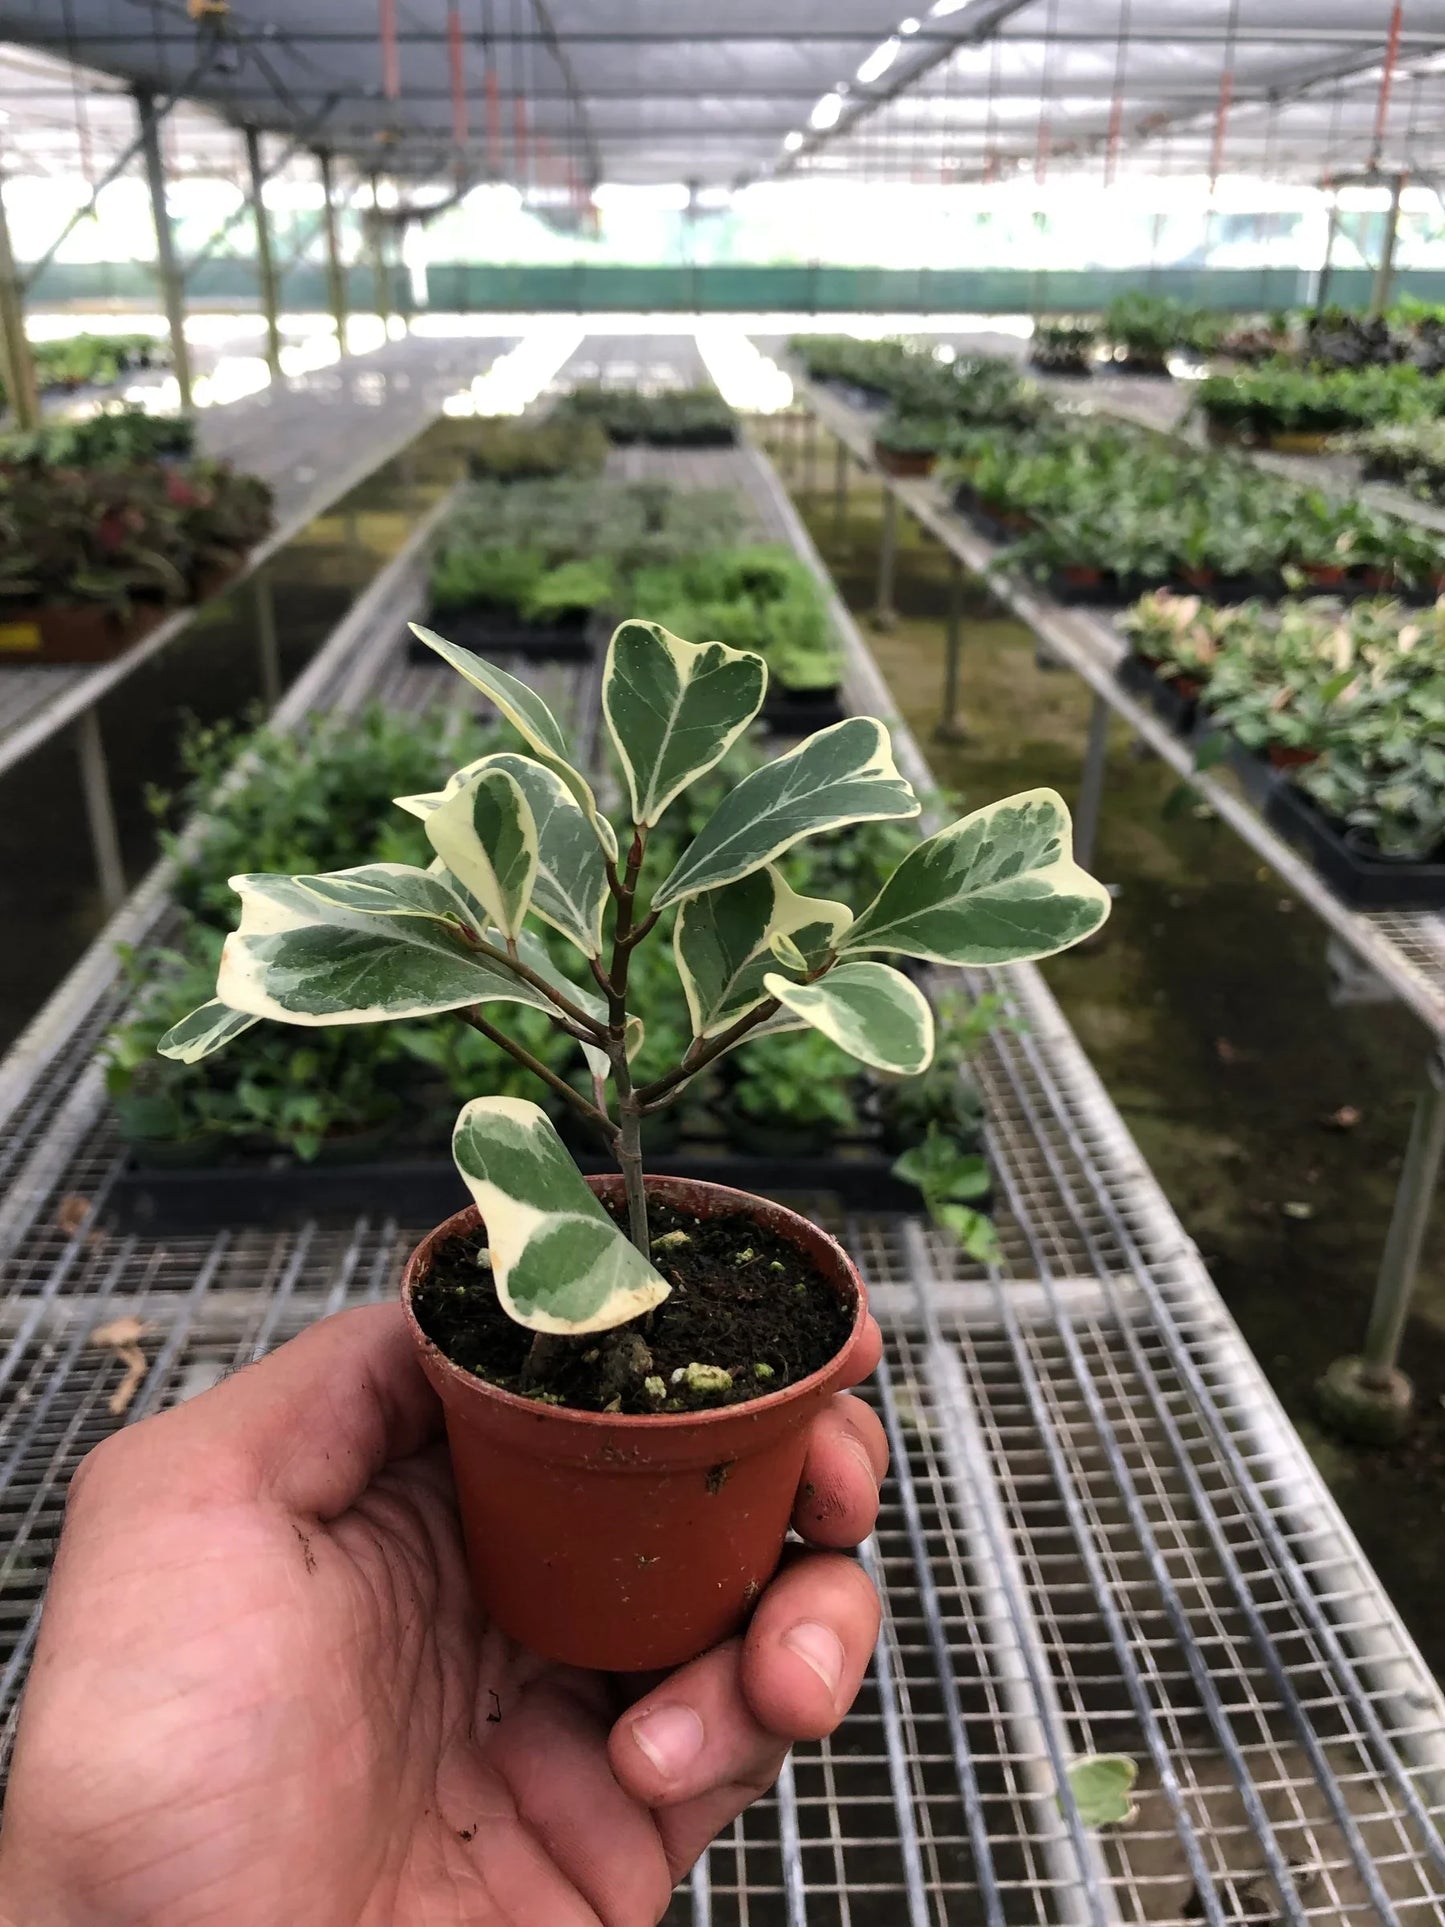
[[77, 632], [417, 1192], [1364, 882], [798, 712], [720, 435], [1135, 675], [501, 632]]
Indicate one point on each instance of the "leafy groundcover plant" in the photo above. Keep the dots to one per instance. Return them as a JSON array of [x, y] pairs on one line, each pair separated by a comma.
[[521, 836]]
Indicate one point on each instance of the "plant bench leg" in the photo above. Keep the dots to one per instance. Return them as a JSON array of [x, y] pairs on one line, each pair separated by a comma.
[[840, 487], [99, 810], [1091, 783], [1368, 1397], [266, 645], [950, 726], [884, 613]]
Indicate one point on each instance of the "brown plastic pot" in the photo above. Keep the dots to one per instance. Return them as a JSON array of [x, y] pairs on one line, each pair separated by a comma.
[[623, 1543]]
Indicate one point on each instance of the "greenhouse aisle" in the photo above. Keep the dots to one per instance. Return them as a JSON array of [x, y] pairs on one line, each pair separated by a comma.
[[1101, 1536]]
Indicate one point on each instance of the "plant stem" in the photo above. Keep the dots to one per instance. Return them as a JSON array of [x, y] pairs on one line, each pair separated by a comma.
[[539, 1069], [629, 1112], [651, 1096], [629, 1156], [596, 1032]]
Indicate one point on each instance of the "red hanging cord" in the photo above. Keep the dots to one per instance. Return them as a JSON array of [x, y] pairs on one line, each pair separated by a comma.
[[1387, 81], [458, 74], [1221, 121], [494, 122], [390, 59], [519, 124]]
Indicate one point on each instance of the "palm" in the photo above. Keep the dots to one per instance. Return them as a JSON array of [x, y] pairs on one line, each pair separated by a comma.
[[248, 1708]]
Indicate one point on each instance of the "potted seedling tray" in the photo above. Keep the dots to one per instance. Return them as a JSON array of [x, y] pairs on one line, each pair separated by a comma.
[[496, 631], [798, 712], [425, 1189], [1360, 878], [73, 632], [1169, 703]]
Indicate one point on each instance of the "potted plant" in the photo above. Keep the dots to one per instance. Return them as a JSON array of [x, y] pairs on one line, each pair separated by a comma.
[[628, 1367], [1063, 347], [909, 444]]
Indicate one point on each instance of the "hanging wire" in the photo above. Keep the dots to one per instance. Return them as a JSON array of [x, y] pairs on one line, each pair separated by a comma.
[[1116, 105], [1045, 133], [78, 93], [1387, 81], [990, 115]]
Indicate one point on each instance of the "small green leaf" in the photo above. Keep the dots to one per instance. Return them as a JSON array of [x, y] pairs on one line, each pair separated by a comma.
[[786, 951], [723, 943], [869, 1010], [559, 1262], [998, 887], [1101, 1784], [204, 1031], [485, 834], [674, 709], [845, 774]]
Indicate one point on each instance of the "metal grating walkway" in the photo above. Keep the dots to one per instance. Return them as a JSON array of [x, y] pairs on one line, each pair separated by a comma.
[[1101, 1533]]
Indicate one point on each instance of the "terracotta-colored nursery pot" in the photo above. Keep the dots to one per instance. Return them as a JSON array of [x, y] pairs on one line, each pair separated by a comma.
[[630, 1543]]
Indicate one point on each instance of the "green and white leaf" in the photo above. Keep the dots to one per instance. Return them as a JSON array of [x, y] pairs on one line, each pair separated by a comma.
[[845, 774], [207, 1029], [358, 947], [723, 943], [871, 1010], [1101, 1784], [787, 952], [570, 889], [997, 887], [525, 710], [559, 1262], [674, 709], [485, 834]]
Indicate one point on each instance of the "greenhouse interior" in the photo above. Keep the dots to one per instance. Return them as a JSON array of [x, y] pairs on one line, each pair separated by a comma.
[[807, 1292]]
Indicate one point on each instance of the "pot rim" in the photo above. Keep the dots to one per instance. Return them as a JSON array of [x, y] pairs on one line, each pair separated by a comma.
[[718, 1416]]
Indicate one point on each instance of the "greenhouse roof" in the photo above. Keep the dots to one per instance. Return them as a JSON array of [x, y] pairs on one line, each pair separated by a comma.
[[572, 92]]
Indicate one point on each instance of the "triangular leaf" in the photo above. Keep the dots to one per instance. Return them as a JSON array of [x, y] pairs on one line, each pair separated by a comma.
[[559, 1261], [845, 774], [1101, 1784], [358, 947], [787, 952], [485, 834], [869, 1010], [998, 887], [205, 1030], [674, 709], [723, 943], [525, 710]]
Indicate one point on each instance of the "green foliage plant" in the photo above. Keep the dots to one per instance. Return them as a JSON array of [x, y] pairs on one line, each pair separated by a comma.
[[518, 835]]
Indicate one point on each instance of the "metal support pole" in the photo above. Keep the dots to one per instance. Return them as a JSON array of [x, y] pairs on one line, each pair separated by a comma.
[[1369, 1397], [335, 279], [810, 451], [884, 613], [16, 363], [950, 725], [376, 248], [266, 644], [173, 287], [99, 810], [840, 487], [265, 259], [1384, 272], [1091, 783], [1322, 283]]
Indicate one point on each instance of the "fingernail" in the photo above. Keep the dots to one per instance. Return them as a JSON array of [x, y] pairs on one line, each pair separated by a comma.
[[671, 1737], [860, 1452], [819, 1647]]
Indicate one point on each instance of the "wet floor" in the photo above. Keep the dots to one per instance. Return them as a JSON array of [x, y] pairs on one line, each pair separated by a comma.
[[1206, 1012]]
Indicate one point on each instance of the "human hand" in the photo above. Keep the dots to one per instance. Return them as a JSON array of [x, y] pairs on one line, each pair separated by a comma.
[[262, 1692]]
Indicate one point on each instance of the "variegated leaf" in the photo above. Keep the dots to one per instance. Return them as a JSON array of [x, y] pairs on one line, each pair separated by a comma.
[[998, 887], [571, 883], [674, 709], [485, 834], [869, 1010], [207, 1029], [559, 1261], [358, 947], [842, 775], [525, 710], [724, 939]]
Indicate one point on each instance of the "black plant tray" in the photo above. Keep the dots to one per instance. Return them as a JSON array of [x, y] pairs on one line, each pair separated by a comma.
[[1163, 698], [854, 395], [418, 1192], [1364, 882], [501, 632], [720, 436], [798, 712]]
